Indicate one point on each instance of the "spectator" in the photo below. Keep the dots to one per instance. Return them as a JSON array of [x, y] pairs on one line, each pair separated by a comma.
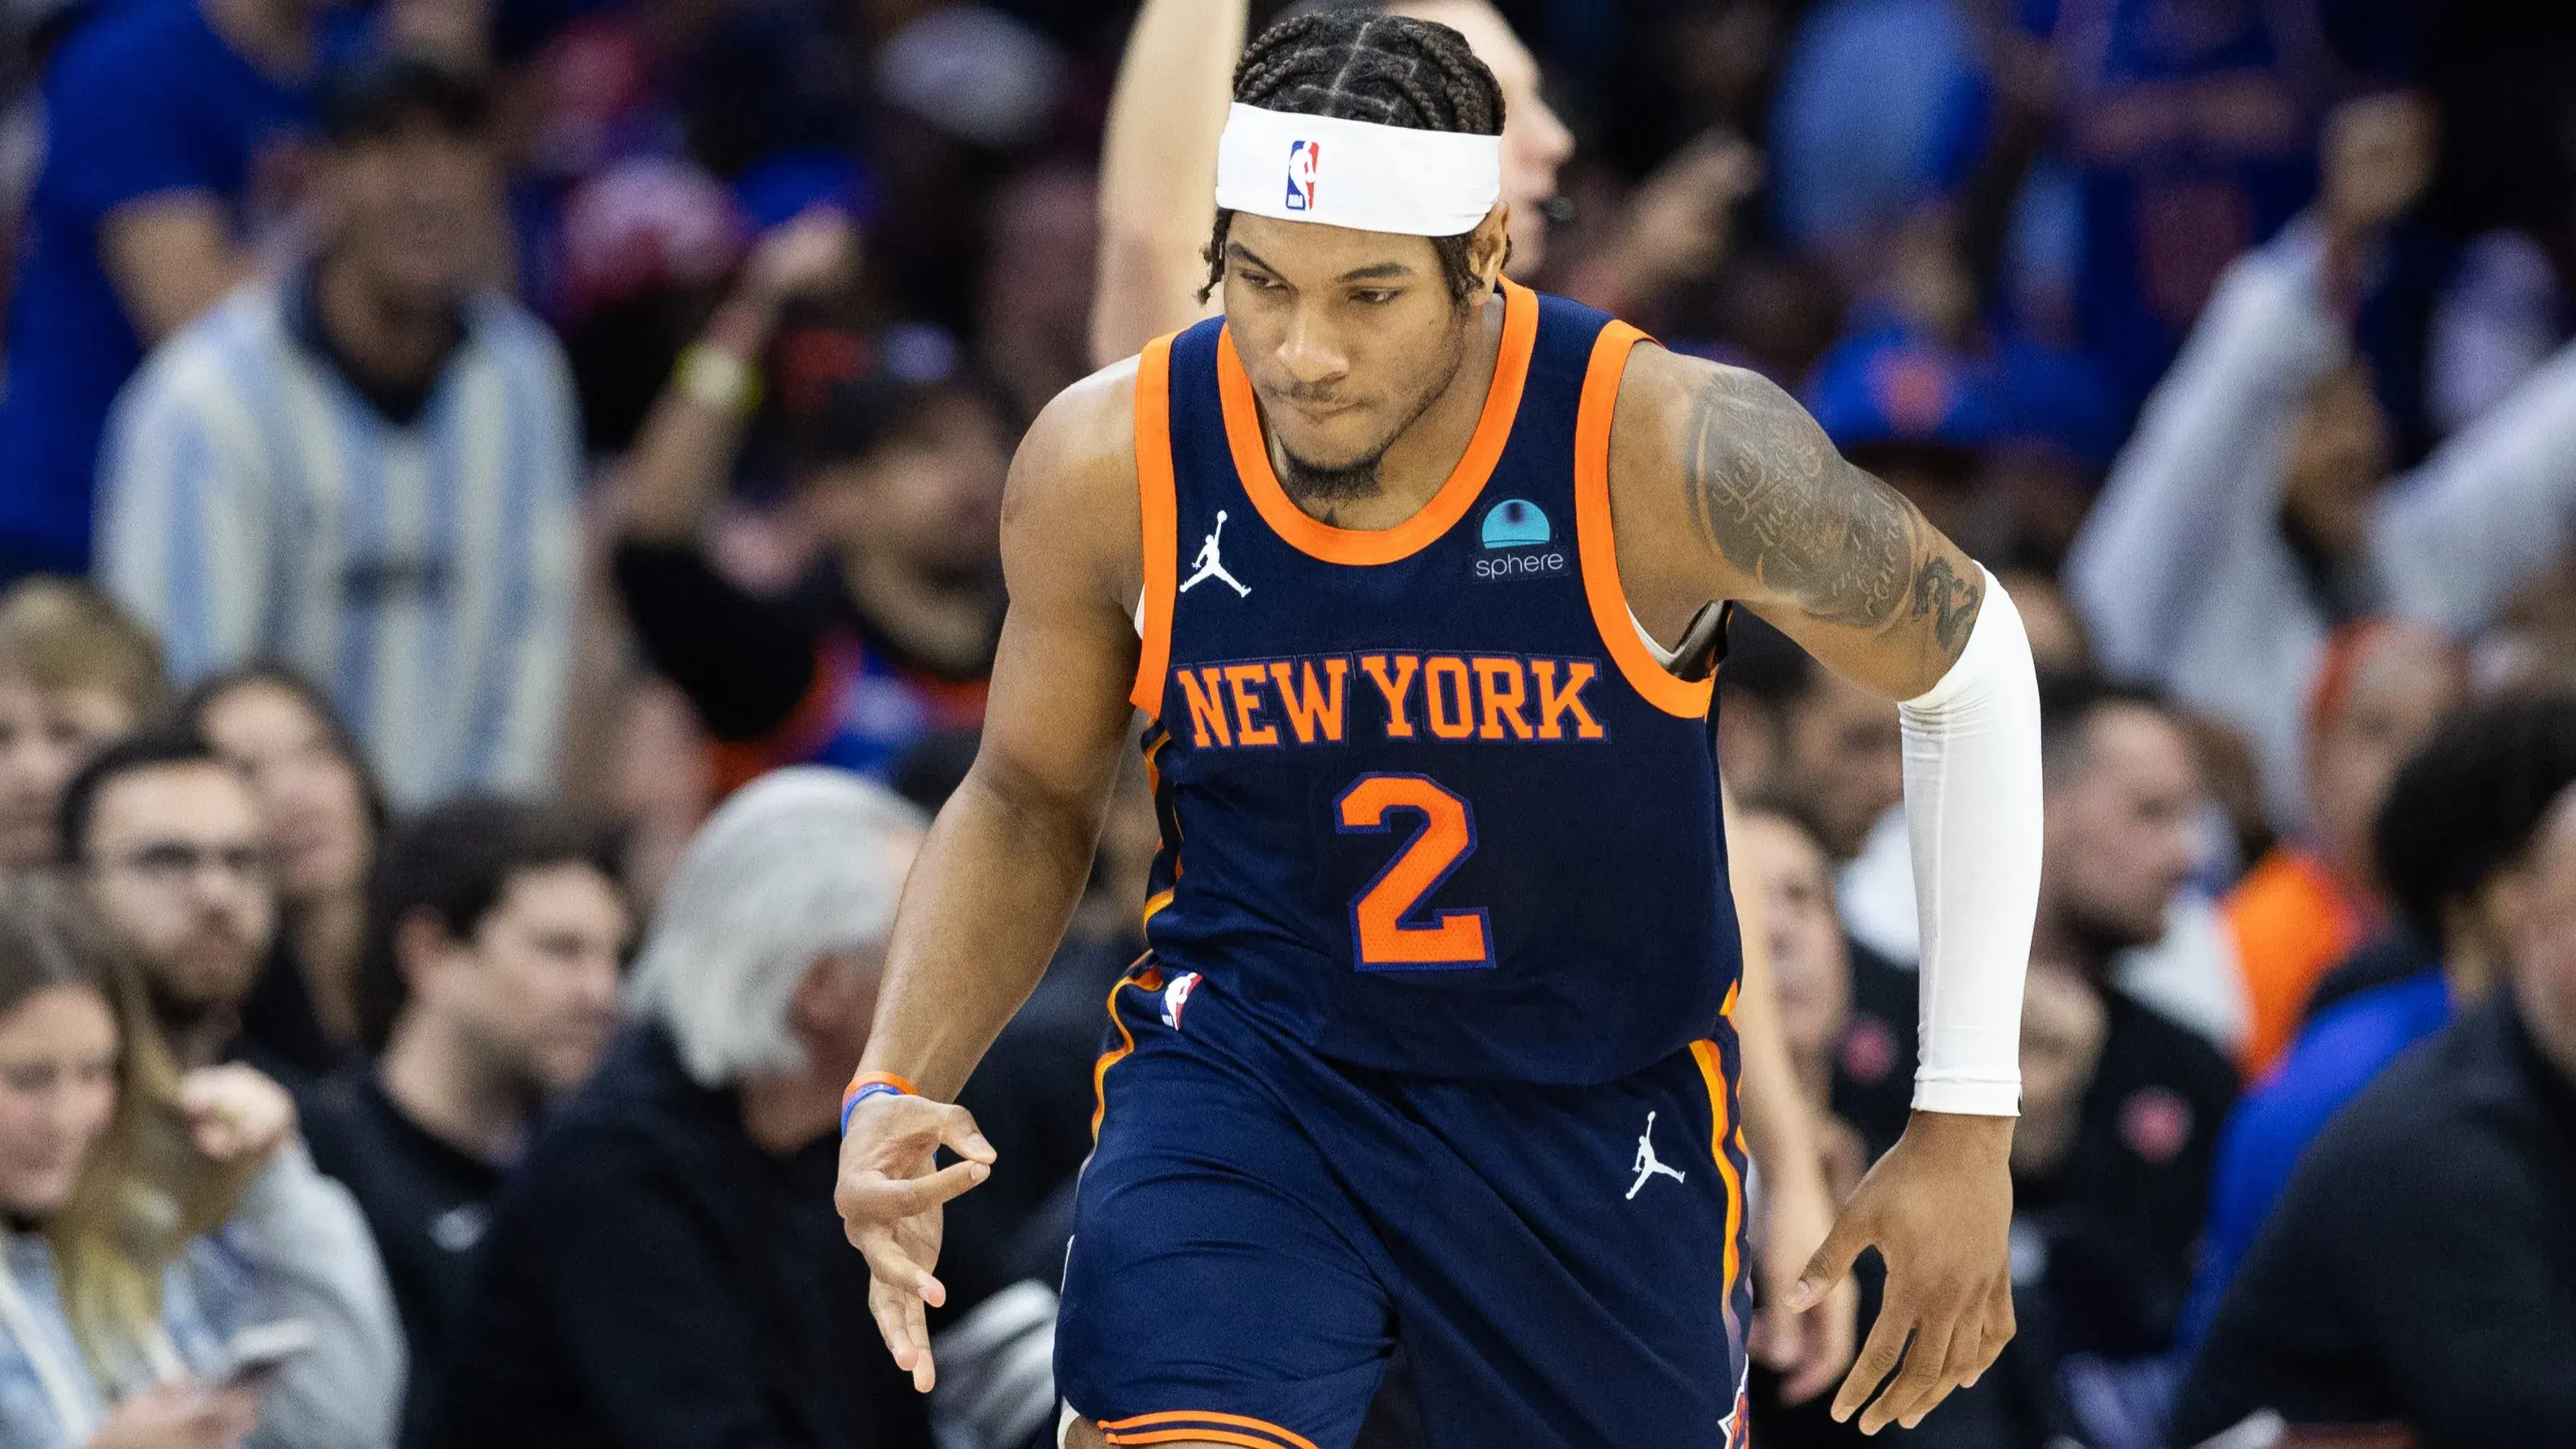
[[2219, 555], [2452, 838], [74, 674], [2112, 1185], [666, 1268], [2193, 139], [151, 1215], [322, 813], [2378, 693], [1785, 893], [492, 956], [170, 141], [2421, 1268], [900, 479], [167, 838], [2231, 538], [369, 468], [1811, 966]]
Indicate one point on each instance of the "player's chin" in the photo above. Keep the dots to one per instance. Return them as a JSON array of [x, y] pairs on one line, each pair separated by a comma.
[[1346, 438]]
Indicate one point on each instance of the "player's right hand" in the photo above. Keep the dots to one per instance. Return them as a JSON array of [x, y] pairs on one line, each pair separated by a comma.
[[889, 1196]]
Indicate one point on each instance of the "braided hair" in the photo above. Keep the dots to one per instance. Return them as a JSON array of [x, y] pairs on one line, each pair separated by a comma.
[[1358, 63]]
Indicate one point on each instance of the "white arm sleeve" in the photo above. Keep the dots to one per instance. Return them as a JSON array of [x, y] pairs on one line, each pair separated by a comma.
[[1972, 806]]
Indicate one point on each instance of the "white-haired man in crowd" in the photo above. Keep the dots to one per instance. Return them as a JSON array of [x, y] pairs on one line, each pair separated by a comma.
[[668, 1269]]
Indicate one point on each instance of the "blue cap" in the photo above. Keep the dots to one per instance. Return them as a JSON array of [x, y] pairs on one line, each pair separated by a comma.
[[1894, 386], [1890, 386]]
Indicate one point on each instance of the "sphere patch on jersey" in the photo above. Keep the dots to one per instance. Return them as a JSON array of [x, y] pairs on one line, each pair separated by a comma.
[[1516, 523]]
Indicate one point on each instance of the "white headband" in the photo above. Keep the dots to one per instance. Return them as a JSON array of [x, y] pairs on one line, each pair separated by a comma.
[[1357, 174]]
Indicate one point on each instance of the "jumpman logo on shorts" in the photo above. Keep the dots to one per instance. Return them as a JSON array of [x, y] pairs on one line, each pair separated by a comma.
[[1209, 566], [1646, 1165]]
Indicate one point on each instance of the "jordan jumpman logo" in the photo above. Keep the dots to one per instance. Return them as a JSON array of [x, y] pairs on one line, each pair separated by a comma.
[[1646, 1165], [1209, 566]]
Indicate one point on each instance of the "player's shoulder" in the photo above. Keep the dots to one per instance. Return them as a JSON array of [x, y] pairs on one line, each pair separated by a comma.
[[1665, 393], [1071, 503], [1084, 439]]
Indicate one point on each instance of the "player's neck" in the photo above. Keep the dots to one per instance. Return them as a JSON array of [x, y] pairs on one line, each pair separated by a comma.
[[1420, 460]]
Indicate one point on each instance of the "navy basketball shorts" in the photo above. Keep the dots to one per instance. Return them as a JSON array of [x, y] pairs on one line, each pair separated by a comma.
[[1260, 1226]]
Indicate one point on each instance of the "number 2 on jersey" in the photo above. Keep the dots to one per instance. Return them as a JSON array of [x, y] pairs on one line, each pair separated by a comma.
[[1385, 941]]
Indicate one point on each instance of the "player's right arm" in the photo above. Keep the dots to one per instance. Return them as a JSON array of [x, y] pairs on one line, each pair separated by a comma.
[[994, 884]]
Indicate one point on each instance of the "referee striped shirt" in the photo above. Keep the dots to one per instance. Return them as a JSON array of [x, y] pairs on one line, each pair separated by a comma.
[[254, 505]]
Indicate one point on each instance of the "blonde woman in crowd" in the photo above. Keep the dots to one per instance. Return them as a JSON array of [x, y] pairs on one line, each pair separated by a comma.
[[152, 1217]]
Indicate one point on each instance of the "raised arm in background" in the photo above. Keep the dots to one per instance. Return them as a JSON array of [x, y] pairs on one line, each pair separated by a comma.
[[683, 455], [1721, 486], [2201, 478], [743, 661], [170, 258], [1158, 171]]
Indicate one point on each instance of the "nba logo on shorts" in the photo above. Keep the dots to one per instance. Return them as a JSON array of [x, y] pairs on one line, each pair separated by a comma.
[[1177, 996], [1301, 174]]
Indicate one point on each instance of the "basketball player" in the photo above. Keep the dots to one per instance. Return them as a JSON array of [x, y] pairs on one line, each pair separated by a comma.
[[1157, 174], [1441, 915]]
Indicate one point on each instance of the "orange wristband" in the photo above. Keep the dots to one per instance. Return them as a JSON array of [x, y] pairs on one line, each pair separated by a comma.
[[872, 1084]]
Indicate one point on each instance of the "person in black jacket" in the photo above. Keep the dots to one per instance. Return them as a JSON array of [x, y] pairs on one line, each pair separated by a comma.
[[666, 1271], [2420, 1272]]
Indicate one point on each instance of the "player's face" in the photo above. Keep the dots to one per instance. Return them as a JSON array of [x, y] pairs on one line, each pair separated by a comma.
[[1347, 336]]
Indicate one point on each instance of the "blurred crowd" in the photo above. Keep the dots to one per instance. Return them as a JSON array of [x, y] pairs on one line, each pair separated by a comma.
[[499, 510]]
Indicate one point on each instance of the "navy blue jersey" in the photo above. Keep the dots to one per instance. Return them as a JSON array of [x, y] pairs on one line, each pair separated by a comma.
[[1429, 803]]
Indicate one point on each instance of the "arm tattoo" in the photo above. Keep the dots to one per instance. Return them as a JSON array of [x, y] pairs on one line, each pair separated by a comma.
[[1768, 491]]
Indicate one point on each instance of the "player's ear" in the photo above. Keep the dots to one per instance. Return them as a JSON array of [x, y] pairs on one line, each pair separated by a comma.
[[1489, 246]]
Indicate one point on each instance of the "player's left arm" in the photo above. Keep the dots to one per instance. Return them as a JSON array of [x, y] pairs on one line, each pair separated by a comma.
[[1722, 487]]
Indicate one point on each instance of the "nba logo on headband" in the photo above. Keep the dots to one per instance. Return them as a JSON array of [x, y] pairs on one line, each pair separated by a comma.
[[1303, 158], [1385, 178]]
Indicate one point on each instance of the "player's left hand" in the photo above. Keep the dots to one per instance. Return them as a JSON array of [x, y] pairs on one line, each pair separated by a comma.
[[1938, 1207]]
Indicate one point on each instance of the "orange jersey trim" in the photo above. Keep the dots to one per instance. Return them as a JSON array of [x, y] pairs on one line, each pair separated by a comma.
[[1157, 514], [1151, 980], [1322, 540], [1117, 1430], [1195, 1435], [1723, 1128], [1599, 546]]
